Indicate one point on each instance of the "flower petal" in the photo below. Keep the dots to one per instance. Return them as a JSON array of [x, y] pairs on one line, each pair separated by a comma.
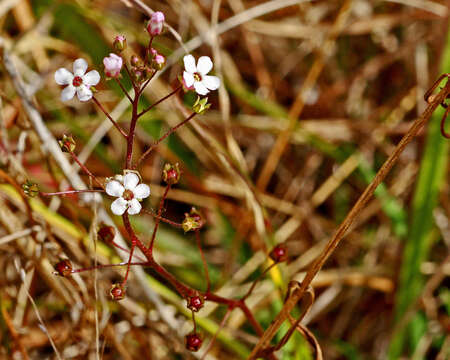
[[119, 206], [79, 67], [211, 82], [63, 76], [114, 188], [188, 79], [204, 65], [83, 93], [200, 88], [68, 92], [141, 191], [189, 64], [91, 78], [130, 181], [134, 207]]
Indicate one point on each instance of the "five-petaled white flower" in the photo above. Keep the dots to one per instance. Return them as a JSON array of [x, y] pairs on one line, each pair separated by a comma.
[[128, 193], [195, 75], [79, 82]]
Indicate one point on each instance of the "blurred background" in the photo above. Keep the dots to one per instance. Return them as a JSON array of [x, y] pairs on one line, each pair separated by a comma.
[[315, 96]]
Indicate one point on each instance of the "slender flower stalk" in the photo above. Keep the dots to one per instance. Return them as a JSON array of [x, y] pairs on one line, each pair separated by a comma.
[[68, 192], [178, 88], [155, 144], [118, 127], [157, 219]]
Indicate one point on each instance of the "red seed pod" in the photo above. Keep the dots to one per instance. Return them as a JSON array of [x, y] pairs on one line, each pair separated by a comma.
[[279, 253], [117, 292], [193, 342], [171, 173], [195, 303], [63, 268], [106, 233]]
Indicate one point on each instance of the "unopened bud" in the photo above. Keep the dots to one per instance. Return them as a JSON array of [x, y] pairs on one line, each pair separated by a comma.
[[158, 62], [137, 75], [67, 143], [193, 342], [30, 189], [120, 43], [279, 253], [63, 268], [195, 303], [201, 105], [171, 173], [155, 24], [106, 233], [135, 61], [117, 292]]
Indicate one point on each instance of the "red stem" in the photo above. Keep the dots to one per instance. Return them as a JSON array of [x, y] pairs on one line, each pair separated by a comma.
[[131, 133], [69, 192], [118, 127], [157, 219], [160, 100], [124, 90], [173, 223], [85, 169], [155, 144]]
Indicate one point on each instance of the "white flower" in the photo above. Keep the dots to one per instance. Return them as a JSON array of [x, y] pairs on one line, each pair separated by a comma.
[[195, 75], [128, 194], [78, 82]]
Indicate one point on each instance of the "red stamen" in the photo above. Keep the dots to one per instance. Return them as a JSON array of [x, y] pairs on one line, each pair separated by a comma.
[[77, 81]]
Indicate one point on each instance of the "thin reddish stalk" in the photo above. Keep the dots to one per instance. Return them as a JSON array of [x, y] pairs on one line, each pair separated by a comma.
[[172, 130], [118, 127], [160, 101], [131, 133], [69, 192], [163, 219], [157, 219], [85, 169], [249, 292], [124, 90]]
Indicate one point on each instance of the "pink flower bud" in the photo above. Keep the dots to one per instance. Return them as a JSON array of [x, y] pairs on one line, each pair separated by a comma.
[[155, 24], [120, 43], [113, 65], [158, 62]]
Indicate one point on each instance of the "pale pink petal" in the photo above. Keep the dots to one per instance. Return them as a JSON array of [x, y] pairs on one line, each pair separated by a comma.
[[83, 93], [189, 64], [204, 65], [130, 181], [68, 92], [79, 67], [119, 206], [211, 82], [188, 79], [200, 88], [141, 191], [91, 78], [63, 76], [134, 207], [114, 188]]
